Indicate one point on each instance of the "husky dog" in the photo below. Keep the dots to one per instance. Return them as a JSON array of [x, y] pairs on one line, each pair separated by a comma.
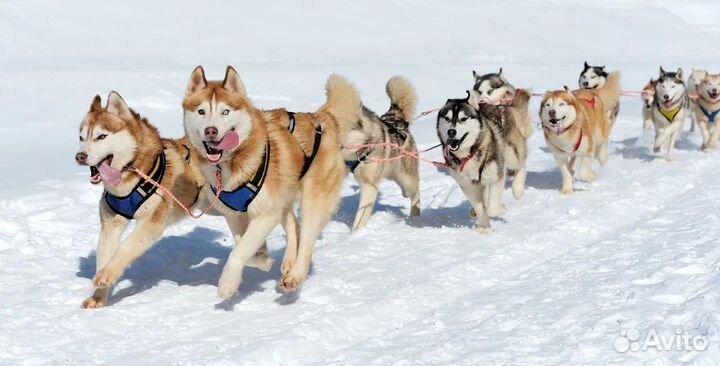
[[694, 80], [113, 141], [707, 109], [669, 109], [393, 127], [648, 98], [493, 87], [264, 169], [513, 121], [576, 124], [474, 151], [593, 77]]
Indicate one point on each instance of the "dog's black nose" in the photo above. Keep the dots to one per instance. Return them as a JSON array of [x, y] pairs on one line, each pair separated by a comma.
[[666, 97], [552, 113], [714, 90], [452, 133], [585, 83], [211, 133], [81, 158]]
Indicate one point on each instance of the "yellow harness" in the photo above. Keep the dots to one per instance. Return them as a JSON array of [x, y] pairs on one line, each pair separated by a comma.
[[670, 114]]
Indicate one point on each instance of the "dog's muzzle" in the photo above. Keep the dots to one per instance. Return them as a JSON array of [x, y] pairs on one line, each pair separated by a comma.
[[454, 144]]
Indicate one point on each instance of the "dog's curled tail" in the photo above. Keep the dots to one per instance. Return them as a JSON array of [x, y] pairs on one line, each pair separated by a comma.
[[611, 91], [521, 104], [402, 96], [343, 102]]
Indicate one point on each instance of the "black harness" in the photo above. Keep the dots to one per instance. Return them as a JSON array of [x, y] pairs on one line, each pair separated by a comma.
[[316, 144]]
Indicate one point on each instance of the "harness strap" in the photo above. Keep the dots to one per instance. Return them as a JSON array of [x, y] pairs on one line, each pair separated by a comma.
[[590, 101], [241, 198], [128, 205], [671, 114], [710, 115], [354, 164], [577, 144], [291, 121], [316, 148]]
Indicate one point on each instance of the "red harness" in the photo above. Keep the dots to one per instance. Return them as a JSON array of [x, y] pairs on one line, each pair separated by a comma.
[[465, 161], [577, 144], [590, 101]]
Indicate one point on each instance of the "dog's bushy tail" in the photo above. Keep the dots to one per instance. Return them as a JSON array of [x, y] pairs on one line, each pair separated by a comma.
[[521, 103], [611, 91], [402, 96], [343, 102]]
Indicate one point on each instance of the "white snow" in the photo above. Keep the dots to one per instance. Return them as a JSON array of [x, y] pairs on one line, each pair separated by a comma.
[[556, 283]]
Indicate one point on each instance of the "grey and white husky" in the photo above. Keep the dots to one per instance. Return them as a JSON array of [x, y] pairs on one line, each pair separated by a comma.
[[496, 93], [669, 110], [393, 127], [473, 147], [595, 77]]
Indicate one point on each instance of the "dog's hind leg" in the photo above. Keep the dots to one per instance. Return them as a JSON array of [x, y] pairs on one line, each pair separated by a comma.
[[112, 227], [410, 186], [316, 211], [246, 246], [586, 172], [290, 224], [146, 233], [368, 195]]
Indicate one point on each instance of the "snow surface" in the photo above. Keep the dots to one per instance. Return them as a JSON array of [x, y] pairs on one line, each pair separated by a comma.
[[556, 283]]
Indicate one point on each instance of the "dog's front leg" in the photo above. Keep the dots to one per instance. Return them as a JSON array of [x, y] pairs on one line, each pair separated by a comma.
[[714, 137], [495, 192], [671, 144], [146, 233], [567, 176], [586, 172], [112, 227], [705, 135], [258, 229], [261, 260]]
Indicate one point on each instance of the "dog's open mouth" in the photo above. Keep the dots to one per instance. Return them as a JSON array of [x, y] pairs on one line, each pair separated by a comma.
[[213, 154], [214, 150], [713, 96], [668, 104], [554, 121], [454, 144], [102, 171]]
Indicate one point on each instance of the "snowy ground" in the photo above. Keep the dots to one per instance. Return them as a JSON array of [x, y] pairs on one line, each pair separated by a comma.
[[557, 282]]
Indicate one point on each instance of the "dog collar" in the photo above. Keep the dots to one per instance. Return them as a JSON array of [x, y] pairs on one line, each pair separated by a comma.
[[671, 113], [240, 199], [128, 205], [709, 114]]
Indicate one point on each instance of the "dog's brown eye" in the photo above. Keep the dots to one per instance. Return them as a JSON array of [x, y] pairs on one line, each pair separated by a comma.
[[201, 112], [232, 129], [226, 112], [463, 119], [101, 136]]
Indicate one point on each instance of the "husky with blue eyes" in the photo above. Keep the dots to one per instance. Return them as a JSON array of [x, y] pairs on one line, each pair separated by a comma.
[[670, 108], [473, 149], [707, 109]]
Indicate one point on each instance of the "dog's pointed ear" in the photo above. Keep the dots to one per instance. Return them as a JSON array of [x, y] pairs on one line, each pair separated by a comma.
[[679, 73], [566, 88], [500, 72], [662, 71], [117, 106], [475, 74], [96, 105], [585, 66], [232, 81], [197, 81]]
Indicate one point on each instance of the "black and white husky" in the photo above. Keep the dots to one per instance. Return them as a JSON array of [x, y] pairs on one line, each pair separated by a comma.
[[669, 110], [595, 77], [473, 149]]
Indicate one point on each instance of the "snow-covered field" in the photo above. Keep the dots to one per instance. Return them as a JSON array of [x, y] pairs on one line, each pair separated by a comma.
[[556, 283]]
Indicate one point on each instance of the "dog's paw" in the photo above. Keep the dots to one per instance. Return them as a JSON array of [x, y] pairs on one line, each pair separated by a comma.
[[496, 210], [656, 149], [228, 286], [518, 191], [669, 159], [472, 213], [566, 190], [92, 303], [107, 277], [291, 282], [262, 262], [588, 176], [415, 211], [484, 230]]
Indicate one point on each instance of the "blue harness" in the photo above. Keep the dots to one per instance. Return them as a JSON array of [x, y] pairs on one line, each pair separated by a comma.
[[127, 206], [241, 198], [710, 115]]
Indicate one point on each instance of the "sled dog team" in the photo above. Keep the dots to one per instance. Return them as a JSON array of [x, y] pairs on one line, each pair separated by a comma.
[[251, 165]]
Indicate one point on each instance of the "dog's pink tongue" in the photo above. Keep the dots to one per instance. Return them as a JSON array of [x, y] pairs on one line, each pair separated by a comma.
[[109, 175], [230, 141], [668, 104]]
